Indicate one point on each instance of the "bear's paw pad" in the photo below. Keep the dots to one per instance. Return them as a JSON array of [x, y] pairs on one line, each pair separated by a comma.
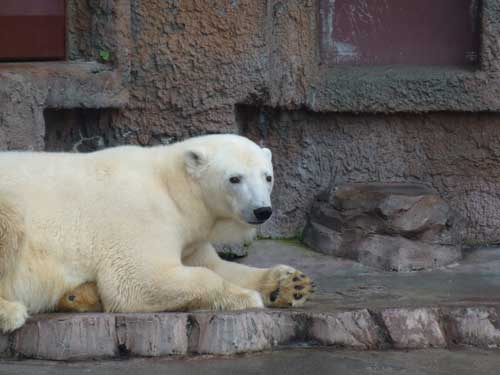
[[285, 286]]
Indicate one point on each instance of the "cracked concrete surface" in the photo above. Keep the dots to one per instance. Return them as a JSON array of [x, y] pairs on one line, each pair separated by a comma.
[[290, 362]]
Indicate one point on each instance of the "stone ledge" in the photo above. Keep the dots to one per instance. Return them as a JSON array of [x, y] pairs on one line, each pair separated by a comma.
[[27, 89], [99, 336], [68, 84]]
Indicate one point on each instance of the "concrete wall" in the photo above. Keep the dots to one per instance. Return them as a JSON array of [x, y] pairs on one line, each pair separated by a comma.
[[195, 67], [457, 154]]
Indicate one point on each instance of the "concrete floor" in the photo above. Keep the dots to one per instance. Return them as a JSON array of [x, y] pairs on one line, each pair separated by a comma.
[[289, 362], [347, 284]]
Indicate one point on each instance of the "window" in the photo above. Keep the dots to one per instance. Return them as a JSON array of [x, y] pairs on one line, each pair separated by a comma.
[[409, 32], [32, 30]]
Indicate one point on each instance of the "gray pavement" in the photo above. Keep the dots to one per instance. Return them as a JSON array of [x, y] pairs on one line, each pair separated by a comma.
[[344, 284], [289, 362]]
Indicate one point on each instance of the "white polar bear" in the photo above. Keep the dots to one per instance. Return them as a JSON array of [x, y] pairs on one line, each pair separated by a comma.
[[139, 223]]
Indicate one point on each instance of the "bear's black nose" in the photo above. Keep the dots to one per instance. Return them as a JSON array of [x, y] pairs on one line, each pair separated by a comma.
[[263, 213]]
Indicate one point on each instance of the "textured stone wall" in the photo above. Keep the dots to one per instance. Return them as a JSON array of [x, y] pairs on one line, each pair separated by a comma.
[[457, 154], [191, 61]]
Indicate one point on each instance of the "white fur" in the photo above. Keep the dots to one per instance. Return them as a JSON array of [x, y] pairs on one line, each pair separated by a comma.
[[135, 220]]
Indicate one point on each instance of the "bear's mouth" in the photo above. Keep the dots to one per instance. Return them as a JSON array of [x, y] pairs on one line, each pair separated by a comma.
[[257, 222]]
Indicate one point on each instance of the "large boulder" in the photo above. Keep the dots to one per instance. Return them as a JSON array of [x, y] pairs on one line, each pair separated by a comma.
[[390, 226]]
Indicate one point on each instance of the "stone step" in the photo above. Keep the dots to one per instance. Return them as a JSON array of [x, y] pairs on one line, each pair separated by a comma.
[[103, 335]]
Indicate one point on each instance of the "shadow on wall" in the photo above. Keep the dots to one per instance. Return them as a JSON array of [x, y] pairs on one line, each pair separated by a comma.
[[79, 130], [456, 154]]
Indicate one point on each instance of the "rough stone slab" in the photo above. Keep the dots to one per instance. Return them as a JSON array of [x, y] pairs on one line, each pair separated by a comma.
[[355, 329], [400, 254], [70, 84], [227, 333], [99, 336], [152, 335], [322, 239], [414, 328], [368, 196], [393, 204], [428, 211], [475, 326], [67, 336], [4, 346]]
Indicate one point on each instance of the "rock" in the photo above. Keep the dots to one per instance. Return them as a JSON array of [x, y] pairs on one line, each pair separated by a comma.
[[354, 329], [414, 328], [327, 216], [367, 197], [99, 336], [427, 212], [325, 240], [394, 204], [394, 227], [4, 346], [401, 254], [152, 335], [477, 326], [67, 337], [226, 333]]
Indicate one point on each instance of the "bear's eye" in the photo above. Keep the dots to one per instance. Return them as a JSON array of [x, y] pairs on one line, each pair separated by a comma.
[[269, 178], [235, 180]]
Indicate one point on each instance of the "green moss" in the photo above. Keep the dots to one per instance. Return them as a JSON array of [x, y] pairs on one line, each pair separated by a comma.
[[105, 56], [291, 241]]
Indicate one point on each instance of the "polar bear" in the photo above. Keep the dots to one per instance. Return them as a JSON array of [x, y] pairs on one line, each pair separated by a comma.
[[139, 222]]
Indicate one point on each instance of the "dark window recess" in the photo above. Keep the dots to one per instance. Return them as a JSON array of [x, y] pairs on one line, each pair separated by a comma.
[[32, 30], [411, 32]]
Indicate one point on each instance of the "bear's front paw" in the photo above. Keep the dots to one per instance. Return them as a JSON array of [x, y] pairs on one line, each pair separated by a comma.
[[12, 316], [284, 286]]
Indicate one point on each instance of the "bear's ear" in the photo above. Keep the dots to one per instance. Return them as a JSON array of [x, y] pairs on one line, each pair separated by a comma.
[[195, 161], [268, 153]]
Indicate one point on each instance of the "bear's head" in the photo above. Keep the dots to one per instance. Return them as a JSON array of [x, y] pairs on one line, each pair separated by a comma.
[[235, 176]]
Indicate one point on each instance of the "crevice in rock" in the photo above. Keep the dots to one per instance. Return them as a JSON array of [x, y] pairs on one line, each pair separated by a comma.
[[303, 324], [123, 351], [386, 340], [193, 334], [448, 326]]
